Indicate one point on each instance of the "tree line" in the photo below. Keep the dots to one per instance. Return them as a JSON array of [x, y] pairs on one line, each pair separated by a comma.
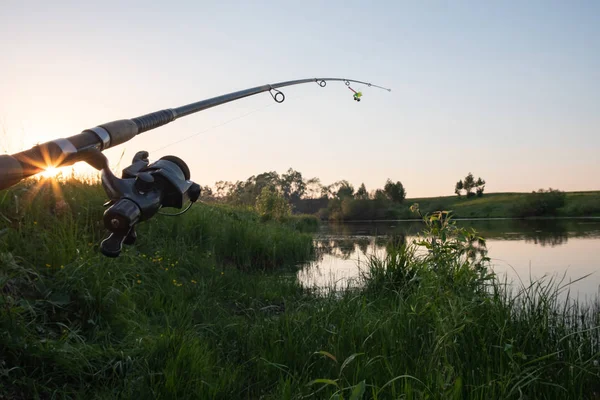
[[276, 195], [293, 186]]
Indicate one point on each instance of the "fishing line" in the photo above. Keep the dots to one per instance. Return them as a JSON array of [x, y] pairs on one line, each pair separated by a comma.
[[222, 124], [214, 127]]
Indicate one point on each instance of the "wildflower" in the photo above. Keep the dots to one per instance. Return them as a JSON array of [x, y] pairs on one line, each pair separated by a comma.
[[166, 269], [48, 265], [222, 273], [62, 267], [172, 265], [194, 282], [138, 281], [35, 222]]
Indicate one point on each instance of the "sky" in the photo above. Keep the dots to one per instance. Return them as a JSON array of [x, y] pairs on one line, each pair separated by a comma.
[[509, 91]]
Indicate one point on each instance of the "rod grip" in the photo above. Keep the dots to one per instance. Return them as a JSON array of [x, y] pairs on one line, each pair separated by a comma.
[[11, 171], [121, 130]]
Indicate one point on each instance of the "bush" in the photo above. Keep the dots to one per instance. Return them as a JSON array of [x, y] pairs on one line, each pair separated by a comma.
[[271, 205], [540, 203], [583, 207], [302, 222]]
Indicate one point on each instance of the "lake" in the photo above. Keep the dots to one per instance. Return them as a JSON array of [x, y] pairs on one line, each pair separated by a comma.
[[518, 249]]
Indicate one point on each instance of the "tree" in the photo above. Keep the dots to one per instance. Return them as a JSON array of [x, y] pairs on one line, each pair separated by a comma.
[[362, 193], [480, 184], [314, 189], [292, 185], [459, 186], [223, 189], [394, 191], [468, 184], [206, 193], [345, 190], [380, 195]]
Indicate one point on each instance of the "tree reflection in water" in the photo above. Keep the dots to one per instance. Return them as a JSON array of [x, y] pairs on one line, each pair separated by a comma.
[[353, 240]]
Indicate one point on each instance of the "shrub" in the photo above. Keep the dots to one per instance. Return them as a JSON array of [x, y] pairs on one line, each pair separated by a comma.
[[271, 205], [540, 203]]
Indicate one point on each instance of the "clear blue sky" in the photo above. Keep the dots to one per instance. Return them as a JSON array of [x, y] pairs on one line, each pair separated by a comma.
[[509, 91]]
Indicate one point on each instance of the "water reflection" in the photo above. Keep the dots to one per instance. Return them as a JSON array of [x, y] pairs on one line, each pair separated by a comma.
[[543, 232], [518, 248]]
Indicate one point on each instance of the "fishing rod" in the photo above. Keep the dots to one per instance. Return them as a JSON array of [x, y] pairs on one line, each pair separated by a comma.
[[144, 187]]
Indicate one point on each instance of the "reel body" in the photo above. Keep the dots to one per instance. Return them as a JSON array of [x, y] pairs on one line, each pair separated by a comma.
[[140, 193]]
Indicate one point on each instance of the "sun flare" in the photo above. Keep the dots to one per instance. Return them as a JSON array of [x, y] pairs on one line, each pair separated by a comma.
[[50, 172]]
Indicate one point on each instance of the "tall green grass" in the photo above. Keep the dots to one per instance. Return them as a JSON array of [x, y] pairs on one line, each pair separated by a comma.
[[203, 307]]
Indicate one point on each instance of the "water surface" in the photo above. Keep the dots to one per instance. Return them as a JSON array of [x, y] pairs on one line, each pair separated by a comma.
[[519, 250]]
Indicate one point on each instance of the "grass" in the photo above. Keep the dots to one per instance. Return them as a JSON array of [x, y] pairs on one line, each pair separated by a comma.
[[206, 306], [499, 205]]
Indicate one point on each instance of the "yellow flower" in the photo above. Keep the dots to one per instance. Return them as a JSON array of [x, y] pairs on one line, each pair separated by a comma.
[[35, 222], [194, 282], [138, 281], [48, 265], [62, 267], [222, 273], [166, 269], [172, 265]]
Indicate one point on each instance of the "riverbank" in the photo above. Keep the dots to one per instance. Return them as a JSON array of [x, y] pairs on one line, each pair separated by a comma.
[[490, 205], [501, 205], [203, 307]]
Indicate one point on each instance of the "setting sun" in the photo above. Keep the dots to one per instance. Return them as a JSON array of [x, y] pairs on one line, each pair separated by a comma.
[[50, 172]]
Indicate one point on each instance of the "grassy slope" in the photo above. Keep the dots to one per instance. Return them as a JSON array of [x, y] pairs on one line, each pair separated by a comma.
[[498, 205], [191, 312]]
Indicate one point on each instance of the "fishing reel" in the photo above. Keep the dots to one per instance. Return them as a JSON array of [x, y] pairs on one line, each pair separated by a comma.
[[140, 193]]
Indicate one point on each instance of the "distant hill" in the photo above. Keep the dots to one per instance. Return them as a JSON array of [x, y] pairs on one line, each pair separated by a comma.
[[498, 205], [490, 205]]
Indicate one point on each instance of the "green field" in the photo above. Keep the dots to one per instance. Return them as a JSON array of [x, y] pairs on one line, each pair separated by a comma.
[[207, 306], [499, 205], [490, 205]]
